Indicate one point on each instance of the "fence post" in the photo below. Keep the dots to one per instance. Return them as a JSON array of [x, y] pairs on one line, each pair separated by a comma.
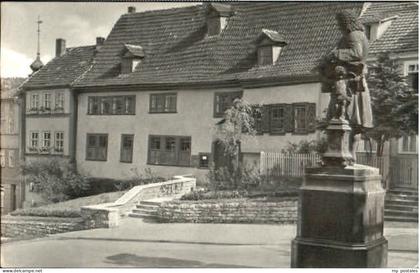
[[262, 165]]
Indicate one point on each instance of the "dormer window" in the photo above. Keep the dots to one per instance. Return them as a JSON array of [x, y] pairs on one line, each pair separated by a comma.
[[270, 44], [131, 58], [375, 27], [217, 18]]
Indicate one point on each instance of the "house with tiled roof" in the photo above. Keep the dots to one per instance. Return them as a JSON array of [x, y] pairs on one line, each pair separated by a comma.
[[49, 107], [393, 29], [162, 80], [11, 188]]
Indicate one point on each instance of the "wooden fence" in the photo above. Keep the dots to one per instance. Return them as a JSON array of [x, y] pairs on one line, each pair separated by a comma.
[[404, 172], [293, 165]]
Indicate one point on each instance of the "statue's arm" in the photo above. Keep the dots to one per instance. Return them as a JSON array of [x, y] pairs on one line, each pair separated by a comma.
[[354, 51]]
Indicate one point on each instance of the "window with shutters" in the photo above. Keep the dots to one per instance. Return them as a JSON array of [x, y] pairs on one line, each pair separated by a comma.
[[258, 115], [127, 142], [111, 105], [299, 112], [97, 147], [169, 150], [304, 118], [163, 103], [223, 101]]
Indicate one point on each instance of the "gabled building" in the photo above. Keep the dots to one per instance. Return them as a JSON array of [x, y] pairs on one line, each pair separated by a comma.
[[49, 107], [162, 80], [12, 190]]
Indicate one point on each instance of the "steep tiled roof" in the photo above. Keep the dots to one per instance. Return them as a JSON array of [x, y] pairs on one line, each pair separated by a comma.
[[402, 35], [177, 49], [63, 70]]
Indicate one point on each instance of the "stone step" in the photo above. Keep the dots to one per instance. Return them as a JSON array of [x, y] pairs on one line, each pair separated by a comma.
[[406, 192], [141, 215], [150, 203], [147, 206], [400, 219], [389, 212], [402, 202], [402, 207], [402, 197], [144, 211]]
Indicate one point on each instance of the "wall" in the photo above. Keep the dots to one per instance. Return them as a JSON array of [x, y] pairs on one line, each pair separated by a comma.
[[14, 226], [244, 211], [53, 122], [194, 118]]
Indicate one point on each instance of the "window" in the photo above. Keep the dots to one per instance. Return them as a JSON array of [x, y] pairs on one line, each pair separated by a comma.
[[34, 141], [408, 144], [265, 55], [299, 112], [126, 148], [97, 146], [169, 150], [59, 142], [367, 31], [11, 158], [163, 103], [111, 105], [204, 159], [413, 76], [277, 119], [47, 101], [34, 102], [46, 141], [222, 102], [134, 64], [3, 159], [59, 101], [213, 26], [11, 123]]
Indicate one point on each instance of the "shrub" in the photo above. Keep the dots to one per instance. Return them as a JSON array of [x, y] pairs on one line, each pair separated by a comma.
[[306, 147], [245, 178], [40, 212], [207, 195], [55, 181]]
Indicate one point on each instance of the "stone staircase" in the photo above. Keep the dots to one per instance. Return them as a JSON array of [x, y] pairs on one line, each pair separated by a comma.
[[401, 205], [145, 210]]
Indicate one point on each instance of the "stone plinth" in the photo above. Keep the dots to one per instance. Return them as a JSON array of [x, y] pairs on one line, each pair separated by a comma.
[[340, 219]]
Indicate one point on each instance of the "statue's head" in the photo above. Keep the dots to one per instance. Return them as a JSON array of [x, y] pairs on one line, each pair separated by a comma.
[[348, 21]]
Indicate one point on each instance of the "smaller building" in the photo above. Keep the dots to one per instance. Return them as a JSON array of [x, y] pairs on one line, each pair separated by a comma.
[[12, 190]]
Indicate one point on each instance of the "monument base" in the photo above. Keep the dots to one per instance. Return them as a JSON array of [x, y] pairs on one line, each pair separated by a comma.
[[323, 254], [340, 219]]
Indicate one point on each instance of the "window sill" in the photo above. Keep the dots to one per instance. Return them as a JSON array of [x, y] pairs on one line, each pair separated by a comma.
[[407, 153], [163, 112], [101, 160], [169, 165], [126, 161], [124, 114]]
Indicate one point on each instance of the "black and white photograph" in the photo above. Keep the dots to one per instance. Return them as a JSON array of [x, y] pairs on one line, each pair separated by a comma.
[[244, 134]]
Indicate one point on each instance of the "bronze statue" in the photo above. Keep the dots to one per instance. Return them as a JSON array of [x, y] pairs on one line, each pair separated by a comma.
[[343, 72]]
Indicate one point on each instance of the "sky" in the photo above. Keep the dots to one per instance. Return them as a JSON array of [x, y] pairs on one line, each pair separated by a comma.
[[78, 23]]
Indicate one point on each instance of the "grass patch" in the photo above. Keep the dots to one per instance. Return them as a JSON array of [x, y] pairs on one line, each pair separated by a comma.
[[70, 208]]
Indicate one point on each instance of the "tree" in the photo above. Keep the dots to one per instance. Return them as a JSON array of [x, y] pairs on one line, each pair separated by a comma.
[[394, 104], [236, 126]]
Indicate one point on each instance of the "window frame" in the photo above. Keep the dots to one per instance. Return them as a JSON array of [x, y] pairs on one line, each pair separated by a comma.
[[232, 95], [97, 102], [57, 140], [163, 151], [401, 148], [3, 159], [59, 101], [408, 73], [47, 97], [304, 130], [122, 148], [32, 139], [11, 158], [277, 131], [34, 101], [162, 98], [97, 136], [269, 60]]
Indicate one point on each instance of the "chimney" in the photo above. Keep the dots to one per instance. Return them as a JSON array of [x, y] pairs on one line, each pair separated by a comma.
[[99, 42], [60, 47], [131, 9]]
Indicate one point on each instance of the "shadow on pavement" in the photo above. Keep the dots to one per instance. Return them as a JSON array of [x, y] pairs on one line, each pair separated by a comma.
[[165, 262]]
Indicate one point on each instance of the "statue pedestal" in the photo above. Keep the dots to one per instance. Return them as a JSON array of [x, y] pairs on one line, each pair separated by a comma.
[[340, 219]]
